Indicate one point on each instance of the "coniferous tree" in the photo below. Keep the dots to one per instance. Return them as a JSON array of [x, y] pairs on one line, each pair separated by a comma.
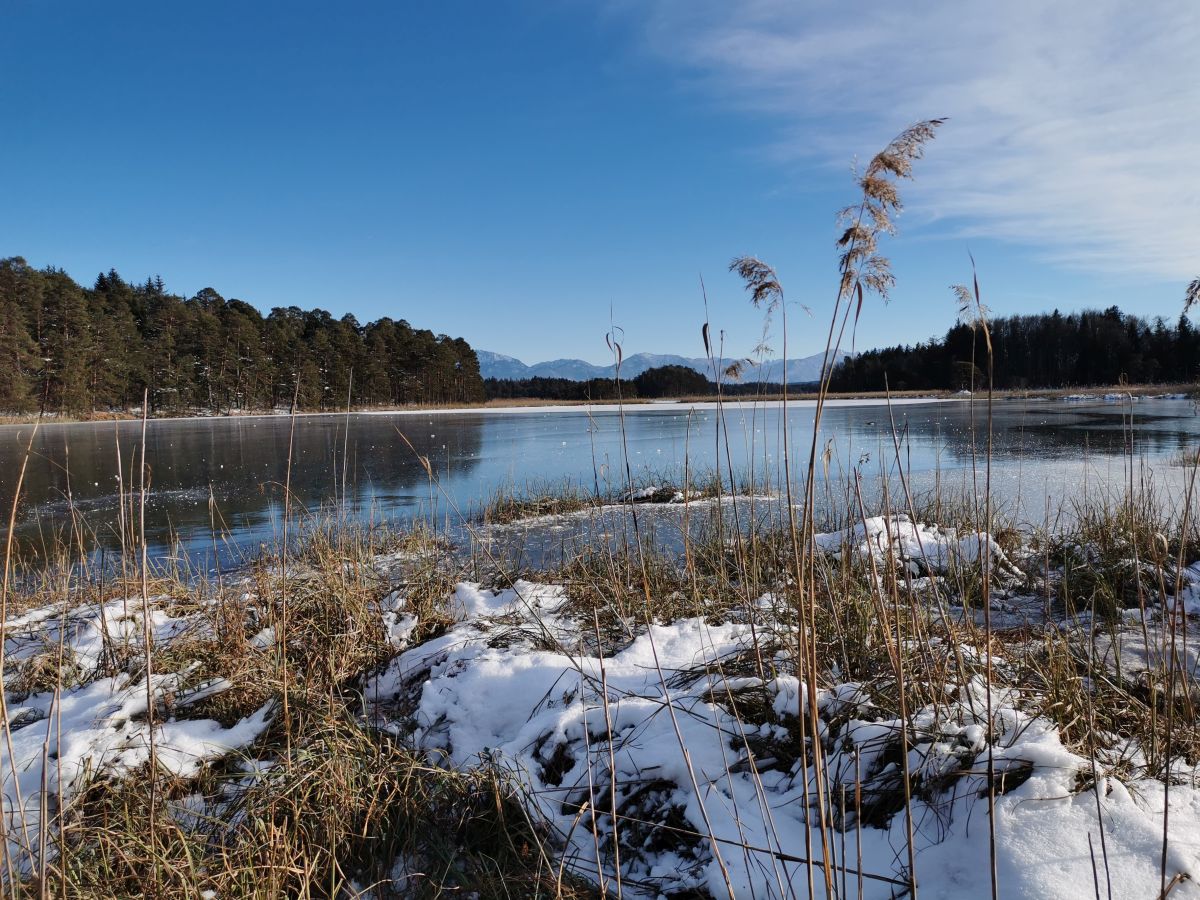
[[66, 349], [66, 342], [20, 291], [1091, 347]]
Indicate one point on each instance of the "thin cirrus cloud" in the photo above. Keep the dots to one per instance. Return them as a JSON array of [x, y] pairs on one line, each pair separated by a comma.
[[1074, 125]]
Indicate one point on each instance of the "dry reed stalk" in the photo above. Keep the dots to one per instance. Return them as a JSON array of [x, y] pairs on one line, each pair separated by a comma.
[[11, 869], [970, 300], [766, 293], [281, 634], [1176, 621], [645, 580], [590, 803], [861, 269], [612, 758], [767, 817]]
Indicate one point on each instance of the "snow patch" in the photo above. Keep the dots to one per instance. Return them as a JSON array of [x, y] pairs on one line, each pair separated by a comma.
[[704, 796]]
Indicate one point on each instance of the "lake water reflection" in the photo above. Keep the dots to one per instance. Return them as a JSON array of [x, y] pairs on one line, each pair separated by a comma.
[[231, 471]]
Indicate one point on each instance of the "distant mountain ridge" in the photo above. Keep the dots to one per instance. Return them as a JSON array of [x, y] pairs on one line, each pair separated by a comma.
[[509, 368]]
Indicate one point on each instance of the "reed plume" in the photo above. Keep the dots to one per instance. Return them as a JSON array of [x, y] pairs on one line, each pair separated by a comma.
[[762, 282], [1192, 296], [861, 269], [861, 263]]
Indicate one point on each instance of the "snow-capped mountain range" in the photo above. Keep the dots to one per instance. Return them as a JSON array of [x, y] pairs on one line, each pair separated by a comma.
[[497, 365]]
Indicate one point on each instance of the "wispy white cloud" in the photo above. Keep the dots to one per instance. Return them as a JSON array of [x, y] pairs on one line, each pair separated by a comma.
[[1075, 125]]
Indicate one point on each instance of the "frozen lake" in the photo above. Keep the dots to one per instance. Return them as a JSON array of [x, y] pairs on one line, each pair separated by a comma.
[[225, 477]]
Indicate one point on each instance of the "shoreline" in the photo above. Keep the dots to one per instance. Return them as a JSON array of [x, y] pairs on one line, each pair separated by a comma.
[[632, 407], [635, 405]]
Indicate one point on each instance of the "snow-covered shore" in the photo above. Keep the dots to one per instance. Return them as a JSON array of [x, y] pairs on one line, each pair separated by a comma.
[[669, 756], [655, 723]]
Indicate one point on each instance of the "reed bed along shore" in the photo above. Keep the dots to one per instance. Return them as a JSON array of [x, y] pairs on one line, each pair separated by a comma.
[[370, 714]]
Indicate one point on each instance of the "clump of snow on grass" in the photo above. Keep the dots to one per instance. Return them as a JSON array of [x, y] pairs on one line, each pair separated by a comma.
[[1189, 597], [98, 727], [709, 800], [919, 548], [469, 601], [398, 625], [91, 631]]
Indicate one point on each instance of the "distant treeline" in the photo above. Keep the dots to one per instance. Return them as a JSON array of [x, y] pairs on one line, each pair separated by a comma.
[[662, 381], [69, 349], [554, 389], [1049, 350]]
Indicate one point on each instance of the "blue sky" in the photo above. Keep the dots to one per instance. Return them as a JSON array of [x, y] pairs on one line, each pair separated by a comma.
[[521, 173]]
